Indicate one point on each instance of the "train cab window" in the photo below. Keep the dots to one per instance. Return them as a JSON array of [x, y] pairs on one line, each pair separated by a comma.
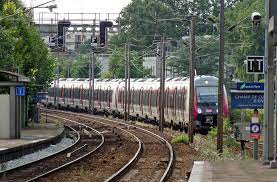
[[207, 95]]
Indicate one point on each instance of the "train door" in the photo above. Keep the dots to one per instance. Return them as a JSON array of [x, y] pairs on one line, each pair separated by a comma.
[[116, 95], [132, 99], [109, 97], [99, 97], [81, 94], [174, 103], [141, 100], [149, 100], [72, 94], [158, 101], [167, 101]]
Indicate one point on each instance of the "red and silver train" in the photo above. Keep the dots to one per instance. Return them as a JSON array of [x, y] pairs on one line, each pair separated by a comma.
[[109, 99]]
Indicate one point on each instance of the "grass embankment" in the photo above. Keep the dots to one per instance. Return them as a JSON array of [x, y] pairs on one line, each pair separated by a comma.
[[207, 148]]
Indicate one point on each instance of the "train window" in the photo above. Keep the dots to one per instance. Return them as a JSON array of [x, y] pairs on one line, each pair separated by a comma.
[[145, 97], [86, 94], [99, 94], [153, 98], [66, 93], [104, 95], [76, 93], [171, 100], [95, 95], [119, 96], [207, 95], [110, 93]]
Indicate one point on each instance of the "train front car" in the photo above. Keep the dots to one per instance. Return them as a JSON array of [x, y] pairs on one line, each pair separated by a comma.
[[206, 93]]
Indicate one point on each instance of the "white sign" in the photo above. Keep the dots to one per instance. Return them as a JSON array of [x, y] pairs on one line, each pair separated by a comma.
[[255, 65]]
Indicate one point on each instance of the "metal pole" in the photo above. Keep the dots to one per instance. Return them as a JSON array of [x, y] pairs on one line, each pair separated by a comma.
[[90, 80], [159, 54], [269, 88], [192, 72], [58, 85], [92, 85], [162, 86], [255, 146], [129, 84], [92, 65], [220, 82], [125, 88]]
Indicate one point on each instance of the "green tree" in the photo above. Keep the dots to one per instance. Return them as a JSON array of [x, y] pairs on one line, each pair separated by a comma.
[[245, 39], [117, 68], [21, 49]]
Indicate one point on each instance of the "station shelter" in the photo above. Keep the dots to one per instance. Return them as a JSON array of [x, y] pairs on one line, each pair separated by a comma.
[[12, 104]]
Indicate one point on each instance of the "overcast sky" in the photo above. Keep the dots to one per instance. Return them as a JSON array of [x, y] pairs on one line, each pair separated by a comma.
[[78, 6]]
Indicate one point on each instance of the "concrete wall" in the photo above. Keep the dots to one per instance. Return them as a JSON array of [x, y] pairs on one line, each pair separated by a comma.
[[4, 116]]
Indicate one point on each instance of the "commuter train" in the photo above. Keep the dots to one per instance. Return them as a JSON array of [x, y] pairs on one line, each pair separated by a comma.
[[109, 99]]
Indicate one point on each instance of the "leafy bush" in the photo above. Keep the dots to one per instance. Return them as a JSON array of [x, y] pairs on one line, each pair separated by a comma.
[[181, 139], [230, 142], [213, 133]]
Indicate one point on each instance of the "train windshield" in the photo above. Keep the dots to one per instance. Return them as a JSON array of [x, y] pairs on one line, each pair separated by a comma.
[[207, 95]]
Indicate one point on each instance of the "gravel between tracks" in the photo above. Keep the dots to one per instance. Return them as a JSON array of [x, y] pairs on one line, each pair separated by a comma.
[[118, 149], [185, 155]]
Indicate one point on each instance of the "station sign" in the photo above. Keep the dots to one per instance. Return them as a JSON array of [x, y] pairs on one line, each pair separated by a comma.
[[247, 100], [20, 91], [250, 86]]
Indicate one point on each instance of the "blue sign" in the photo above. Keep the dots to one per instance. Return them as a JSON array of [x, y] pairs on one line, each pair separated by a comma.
[[247, 100], [39, 98], [250, 86], [255, 128], [20, 91]]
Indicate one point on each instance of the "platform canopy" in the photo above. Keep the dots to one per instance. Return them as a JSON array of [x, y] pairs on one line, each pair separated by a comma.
[[8, 78]]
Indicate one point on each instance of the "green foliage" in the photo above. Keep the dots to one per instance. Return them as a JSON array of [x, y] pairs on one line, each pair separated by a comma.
[[116, 65], [207, 149], [22, 49], [78, 67], [181, 139], [230, 142], [206, 60], [245, 39], [212, 133]]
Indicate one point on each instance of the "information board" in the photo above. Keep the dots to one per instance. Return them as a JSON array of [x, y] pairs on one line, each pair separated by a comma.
[[247, 100]]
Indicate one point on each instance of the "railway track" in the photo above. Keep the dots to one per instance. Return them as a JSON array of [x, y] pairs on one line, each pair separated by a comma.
[[40, 168], [152, 161]]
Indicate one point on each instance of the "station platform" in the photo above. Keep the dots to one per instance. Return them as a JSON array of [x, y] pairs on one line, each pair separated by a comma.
[[232, 171], [34, 138]]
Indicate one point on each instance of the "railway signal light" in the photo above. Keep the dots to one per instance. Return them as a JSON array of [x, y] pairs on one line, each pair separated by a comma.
[[61, 25], [103, 33]]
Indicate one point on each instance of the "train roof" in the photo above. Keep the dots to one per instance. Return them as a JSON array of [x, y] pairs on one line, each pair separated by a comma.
[[77, 82]]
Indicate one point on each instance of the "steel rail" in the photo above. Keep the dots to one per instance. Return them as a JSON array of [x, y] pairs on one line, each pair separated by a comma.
[[171, 158], [126, 167], [49, 156], [76, 160]]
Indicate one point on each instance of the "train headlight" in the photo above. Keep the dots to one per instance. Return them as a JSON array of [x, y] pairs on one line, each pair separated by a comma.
[[217, 110], [199, 110]]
